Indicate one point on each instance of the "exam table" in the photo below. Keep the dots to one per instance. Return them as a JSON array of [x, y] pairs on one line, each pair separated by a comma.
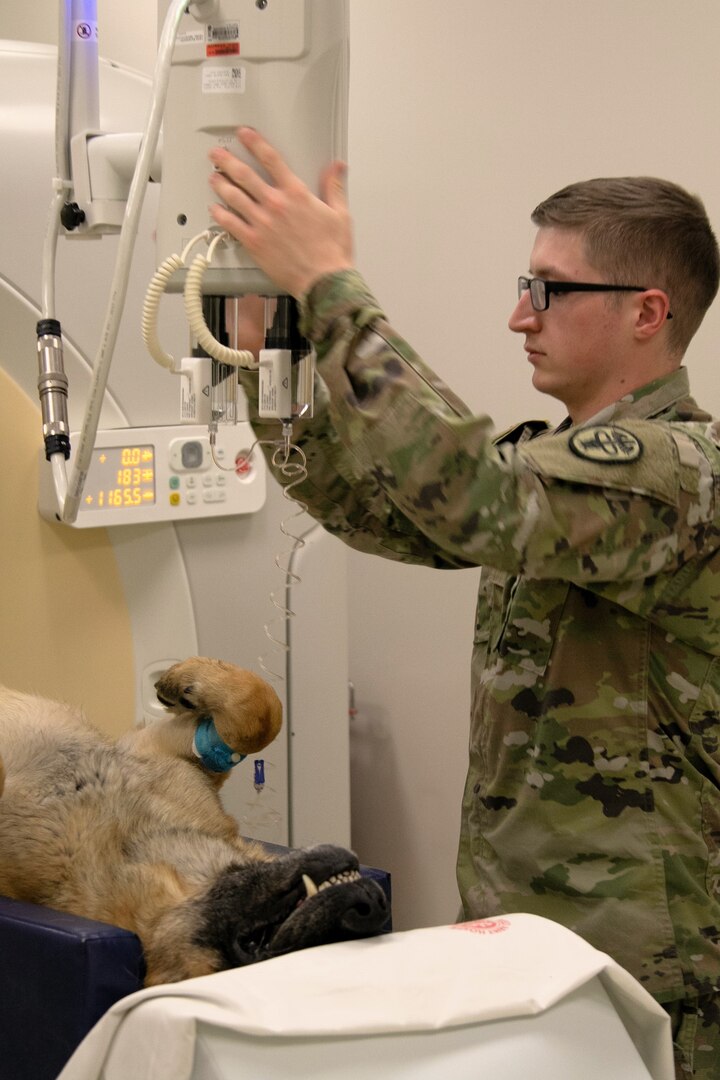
[[506, 998]]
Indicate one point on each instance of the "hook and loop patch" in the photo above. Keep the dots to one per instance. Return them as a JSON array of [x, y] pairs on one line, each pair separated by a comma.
[[606, 444]]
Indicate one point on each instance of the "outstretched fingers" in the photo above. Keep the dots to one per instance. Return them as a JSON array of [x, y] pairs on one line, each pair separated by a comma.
[[293, 236], [332, 186], [239, 183], [266, 156]]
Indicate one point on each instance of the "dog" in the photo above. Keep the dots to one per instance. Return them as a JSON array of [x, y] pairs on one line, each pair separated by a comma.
[[133, 833]]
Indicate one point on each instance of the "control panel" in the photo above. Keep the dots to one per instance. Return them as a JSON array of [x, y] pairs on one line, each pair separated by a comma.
[[143, 475]]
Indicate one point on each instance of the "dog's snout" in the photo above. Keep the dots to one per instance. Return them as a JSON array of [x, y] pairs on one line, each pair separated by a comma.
[[368, 914]]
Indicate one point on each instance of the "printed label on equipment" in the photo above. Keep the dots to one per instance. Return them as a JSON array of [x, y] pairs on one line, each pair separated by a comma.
[[229, 79], [225, 32], [223, 40], [191, 37], [224, 48]]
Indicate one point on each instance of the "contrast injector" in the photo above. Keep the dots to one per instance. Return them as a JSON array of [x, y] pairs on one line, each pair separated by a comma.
[[53, 389]]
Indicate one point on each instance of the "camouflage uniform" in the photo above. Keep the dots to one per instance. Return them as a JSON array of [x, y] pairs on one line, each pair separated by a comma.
[[593, 791]]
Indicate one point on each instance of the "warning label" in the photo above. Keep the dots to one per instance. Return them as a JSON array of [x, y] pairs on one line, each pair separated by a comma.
[[225, 48], [86, 31], [223, 40]]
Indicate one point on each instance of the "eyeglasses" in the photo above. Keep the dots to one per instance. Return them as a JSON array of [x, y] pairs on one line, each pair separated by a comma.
[[541, 291]]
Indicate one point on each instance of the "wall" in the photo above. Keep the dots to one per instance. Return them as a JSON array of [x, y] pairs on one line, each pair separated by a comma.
[[464, 115]]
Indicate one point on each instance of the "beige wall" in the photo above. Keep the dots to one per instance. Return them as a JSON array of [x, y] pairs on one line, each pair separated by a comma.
[[64, 621], [464, 114]]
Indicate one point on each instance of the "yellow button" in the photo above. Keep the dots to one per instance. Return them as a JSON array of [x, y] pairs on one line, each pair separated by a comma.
[[174, 498]]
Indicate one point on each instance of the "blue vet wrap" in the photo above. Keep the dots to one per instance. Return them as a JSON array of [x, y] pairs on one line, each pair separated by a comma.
[[215, 755]]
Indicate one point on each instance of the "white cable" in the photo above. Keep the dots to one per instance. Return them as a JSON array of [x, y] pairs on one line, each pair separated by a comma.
[[62, 94], [192, 297], [59, 472], [61, 189], [61, 181], [153, 296], [49, 254], [118, 291]]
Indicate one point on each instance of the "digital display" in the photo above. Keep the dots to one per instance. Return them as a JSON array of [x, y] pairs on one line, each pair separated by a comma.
[[120, 478]]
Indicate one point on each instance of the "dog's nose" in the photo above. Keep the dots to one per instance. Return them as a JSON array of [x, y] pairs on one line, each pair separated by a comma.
[[369, 912]]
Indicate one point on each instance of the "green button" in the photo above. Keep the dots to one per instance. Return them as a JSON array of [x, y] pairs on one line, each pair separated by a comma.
[[174, 482]]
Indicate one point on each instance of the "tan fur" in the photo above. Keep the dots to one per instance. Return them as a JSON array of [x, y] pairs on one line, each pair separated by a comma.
[[130, 833]]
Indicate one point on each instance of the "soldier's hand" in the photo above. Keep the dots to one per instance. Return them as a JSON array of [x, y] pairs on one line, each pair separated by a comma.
[[293, 236]]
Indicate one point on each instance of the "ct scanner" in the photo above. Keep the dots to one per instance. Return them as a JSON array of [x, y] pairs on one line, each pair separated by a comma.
[[92, 615]]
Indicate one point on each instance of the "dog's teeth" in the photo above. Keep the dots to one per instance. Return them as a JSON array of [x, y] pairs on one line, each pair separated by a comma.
[[310, 886], [340, 879]]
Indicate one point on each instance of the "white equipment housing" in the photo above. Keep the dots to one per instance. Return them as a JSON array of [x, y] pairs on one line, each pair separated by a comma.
[[279, 66]]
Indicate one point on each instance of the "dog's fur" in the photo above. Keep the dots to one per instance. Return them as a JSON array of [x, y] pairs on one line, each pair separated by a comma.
[[133, 832]]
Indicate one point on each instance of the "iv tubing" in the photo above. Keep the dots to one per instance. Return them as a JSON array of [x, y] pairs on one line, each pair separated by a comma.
[[296, 473], [128, 234]]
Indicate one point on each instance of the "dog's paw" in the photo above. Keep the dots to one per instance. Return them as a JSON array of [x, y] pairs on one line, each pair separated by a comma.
[[246, 710]]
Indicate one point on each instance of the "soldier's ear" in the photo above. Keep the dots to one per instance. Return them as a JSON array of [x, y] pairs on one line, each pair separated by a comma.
[[651, 310]]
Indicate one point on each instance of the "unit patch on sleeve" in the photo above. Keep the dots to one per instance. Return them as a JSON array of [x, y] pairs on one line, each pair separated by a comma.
[[606, 444]]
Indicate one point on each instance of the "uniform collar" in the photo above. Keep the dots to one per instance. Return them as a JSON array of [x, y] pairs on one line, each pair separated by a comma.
[[642, 404]]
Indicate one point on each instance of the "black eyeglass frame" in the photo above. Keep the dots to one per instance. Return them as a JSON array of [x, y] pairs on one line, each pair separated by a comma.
[[525, 285]]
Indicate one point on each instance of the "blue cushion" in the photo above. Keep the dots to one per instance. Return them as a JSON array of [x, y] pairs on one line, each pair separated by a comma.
[[58, 974]]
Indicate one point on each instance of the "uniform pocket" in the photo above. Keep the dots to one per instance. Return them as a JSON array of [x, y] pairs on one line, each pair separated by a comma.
[[489, 610], [533, 610]]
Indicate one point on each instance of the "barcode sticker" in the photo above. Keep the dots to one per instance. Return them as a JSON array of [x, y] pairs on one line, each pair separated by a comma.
[[228, 79]]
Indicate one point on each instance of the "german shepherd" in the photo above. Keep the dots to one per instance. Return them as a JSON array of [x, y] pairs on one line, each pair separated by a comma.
[[133, 832]]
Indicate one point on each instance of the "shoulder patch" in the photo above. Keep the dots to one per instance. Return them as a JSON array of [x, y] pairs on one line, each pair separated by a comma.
[[606, 444], [640, 456]]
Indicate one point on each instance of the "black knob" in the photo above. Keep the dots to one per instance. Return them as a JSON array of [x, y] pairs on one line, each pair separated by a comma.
[[71, 216]]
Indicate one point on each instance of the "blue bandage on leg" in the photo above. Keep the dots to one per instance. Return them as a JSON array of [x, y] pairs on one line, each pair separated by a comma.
[[215, 755]]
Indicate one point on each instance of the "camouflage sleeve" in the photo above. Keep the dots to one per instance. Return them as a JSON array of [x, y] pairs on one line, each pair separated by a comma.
[[605, 503], [346, 497], [399, 466]]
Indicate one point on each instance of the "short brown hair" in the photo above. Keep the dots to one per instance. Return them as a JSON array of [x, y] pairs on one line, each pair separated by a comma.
[[644, 231]]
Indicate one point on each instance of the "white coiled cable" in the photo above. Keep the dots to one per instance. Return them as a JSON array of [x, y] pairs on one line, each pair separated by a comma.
[[192, 296], [193, 301], [153, 296]]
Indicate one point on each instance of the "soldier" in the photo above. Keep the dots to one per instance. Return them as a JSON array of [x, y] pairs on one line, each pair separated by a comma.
[[593, 790]]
